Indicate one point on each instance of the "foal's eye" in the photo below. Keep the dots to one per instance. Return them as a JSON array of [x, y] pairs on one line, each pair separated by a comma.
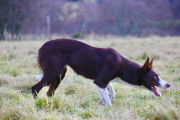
[[156, 77]]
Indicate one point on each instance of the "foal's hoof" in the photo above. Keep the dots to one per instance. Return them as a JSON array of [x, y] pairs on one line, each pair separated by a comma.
[[49, 94], [101, 102], [34, 96]]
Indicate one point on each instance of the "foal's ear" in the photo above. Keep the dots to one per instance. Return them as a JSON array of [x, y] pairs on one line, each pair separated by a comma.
[[147, 66], [146, 63], [151, 63]]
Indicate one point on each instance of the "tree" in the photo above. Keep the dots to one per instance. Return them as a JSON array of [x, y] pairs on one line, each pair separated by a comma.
[[13, 14], [175, 7]]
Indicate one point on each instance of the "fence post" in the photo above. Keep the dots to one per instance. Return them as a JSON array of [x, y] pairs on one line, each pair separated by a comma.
[[48, 27]]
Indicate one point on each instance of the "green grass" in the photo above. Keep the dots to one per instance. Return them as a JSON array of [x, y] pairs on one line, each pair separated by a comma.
[[78, 97]]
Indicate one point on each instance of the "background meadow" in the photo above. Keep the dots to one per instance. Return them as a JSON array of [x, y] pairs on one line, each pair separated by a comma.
[[78, 97]]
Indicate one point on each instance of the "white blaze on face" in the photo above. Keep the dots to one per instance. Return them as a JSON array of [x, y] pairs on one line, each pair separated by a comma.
[[163, 84]]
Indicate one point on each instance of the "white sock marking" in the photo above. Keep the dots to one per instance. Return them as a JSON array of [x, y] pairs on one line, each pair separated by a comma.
[[111, 91], [104, 96]]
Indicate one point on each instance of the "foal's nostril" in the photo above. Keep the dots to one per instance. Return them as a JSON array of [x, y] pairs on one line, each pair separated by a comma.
[[167, 85]]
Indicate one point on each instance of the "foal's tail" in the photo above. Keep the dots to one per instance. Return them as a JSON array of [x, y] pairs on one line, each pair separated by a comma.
[[39, 77]]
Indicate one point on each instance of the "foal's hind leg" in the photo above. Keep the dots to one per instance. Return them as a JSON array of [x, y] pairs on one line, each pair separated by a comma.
[[56, 83], [53, 87], [46, 80]]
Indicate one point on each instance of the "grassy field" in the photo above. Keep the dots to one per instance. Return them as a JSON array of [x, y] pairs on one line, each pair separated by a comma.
[[78, 97]]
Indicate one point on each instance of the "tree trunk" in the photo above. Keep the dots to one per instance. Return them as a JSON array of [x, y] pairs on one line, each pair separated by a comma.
[[17, 31], [3, 32]]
